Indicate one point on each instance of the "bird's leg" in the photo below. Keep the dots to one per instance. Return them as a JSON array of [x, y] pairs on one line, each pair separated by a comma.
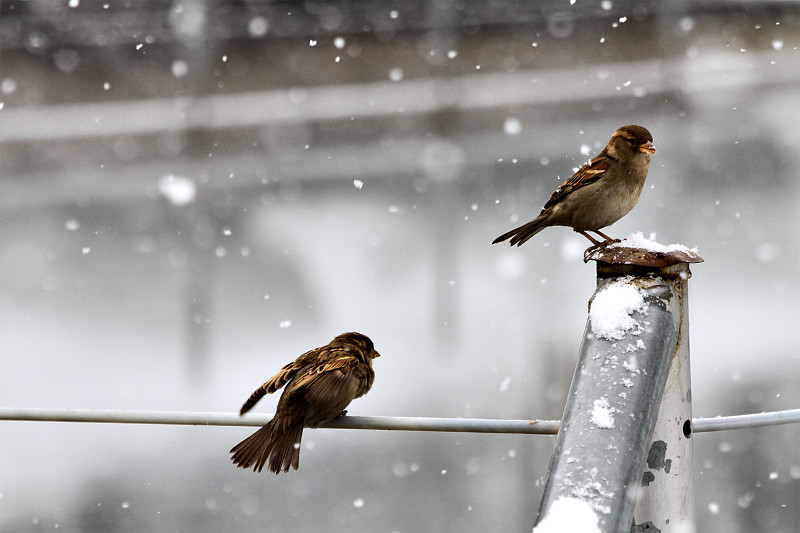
[[595, 242], [343, 413], [608, 240]]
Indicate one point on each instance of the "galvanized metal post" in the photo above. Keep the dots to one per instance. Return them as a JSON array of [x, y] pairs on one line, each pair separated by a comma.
[[609, 453], [667, 499]]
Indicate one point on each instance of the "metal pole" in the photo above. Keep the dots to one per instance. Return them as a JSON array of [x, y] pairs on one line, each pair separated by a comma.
[[667, 497], [606, 436]]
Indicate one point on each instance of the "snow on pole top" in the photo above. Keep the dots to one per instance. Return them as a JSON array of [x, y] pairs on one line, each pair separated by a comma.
[[637, 240]]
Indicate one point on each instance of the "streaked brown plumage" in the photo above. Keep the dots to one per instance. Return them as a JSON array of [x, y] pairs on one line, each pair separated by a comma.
[[599, 193], [319, 385]]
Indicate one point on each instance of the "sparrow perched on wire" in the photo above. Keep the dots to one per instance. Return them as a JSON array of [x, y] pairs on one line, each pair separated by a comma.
[[321, 383], [601, 192]]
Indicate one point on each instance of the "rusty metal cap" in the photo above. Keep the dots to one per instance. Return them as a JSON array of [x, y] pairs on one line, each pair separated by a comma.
[[620, 254]]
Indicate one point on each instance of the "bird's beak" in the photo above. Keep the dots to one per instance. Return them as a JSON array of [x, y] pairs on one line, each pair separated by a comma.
[[374, 354], [647, 148]]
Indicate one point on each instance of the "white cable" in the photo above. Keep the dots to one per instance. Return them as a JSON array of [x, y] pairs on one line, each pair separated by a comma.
[[756, 420], [390, 423], [473, 425]]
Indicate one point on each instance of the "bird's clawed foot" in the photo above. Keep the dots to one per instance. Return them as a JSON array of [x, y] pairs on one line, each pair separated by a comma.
[[607, 240], [343, 413], [595, 243]]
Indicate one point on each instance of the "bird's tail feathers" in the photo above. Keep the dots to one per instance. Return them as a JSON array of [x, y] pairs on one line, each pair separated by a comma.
[[282, 450], [521, 234], [286, 450]]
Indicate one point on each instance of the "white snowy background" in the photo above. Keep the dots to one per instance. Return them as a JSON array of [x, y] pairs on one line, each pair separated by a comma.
[[194, 193]]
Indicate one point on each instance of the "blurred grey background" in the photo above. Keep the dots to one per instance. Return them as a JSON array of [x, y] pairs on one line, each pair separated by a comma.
[[194, 193]]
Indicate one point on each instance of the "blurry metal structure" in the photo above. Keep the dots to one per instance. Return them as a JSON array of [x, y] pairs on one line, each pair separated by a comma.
[[115, 104], [624, 384], [336, 102]]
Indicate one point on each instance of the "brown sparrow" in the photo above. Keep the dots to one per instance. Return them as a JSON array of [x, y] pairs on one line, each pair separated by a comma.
[[321, 383], [601, 192]]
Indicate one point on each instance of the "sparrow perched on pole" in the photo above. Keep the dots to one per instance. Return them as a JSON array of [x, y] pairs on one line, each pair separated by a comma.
[[320, 384], [601, 192]]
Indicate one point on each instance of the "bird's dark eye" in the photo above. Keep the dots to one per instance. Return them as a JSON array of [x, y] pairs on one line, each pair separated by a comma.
[[632, 141]]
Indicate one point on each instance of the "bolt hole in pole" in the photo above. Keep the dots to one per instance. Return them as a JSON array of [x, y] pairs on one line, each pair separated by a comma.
[[687, 429]]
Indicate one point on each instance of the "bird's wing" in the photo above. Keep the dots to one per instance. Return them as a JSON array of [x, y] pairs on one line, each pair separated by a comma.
[[324, 383], [588, 173], [280, 379]]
